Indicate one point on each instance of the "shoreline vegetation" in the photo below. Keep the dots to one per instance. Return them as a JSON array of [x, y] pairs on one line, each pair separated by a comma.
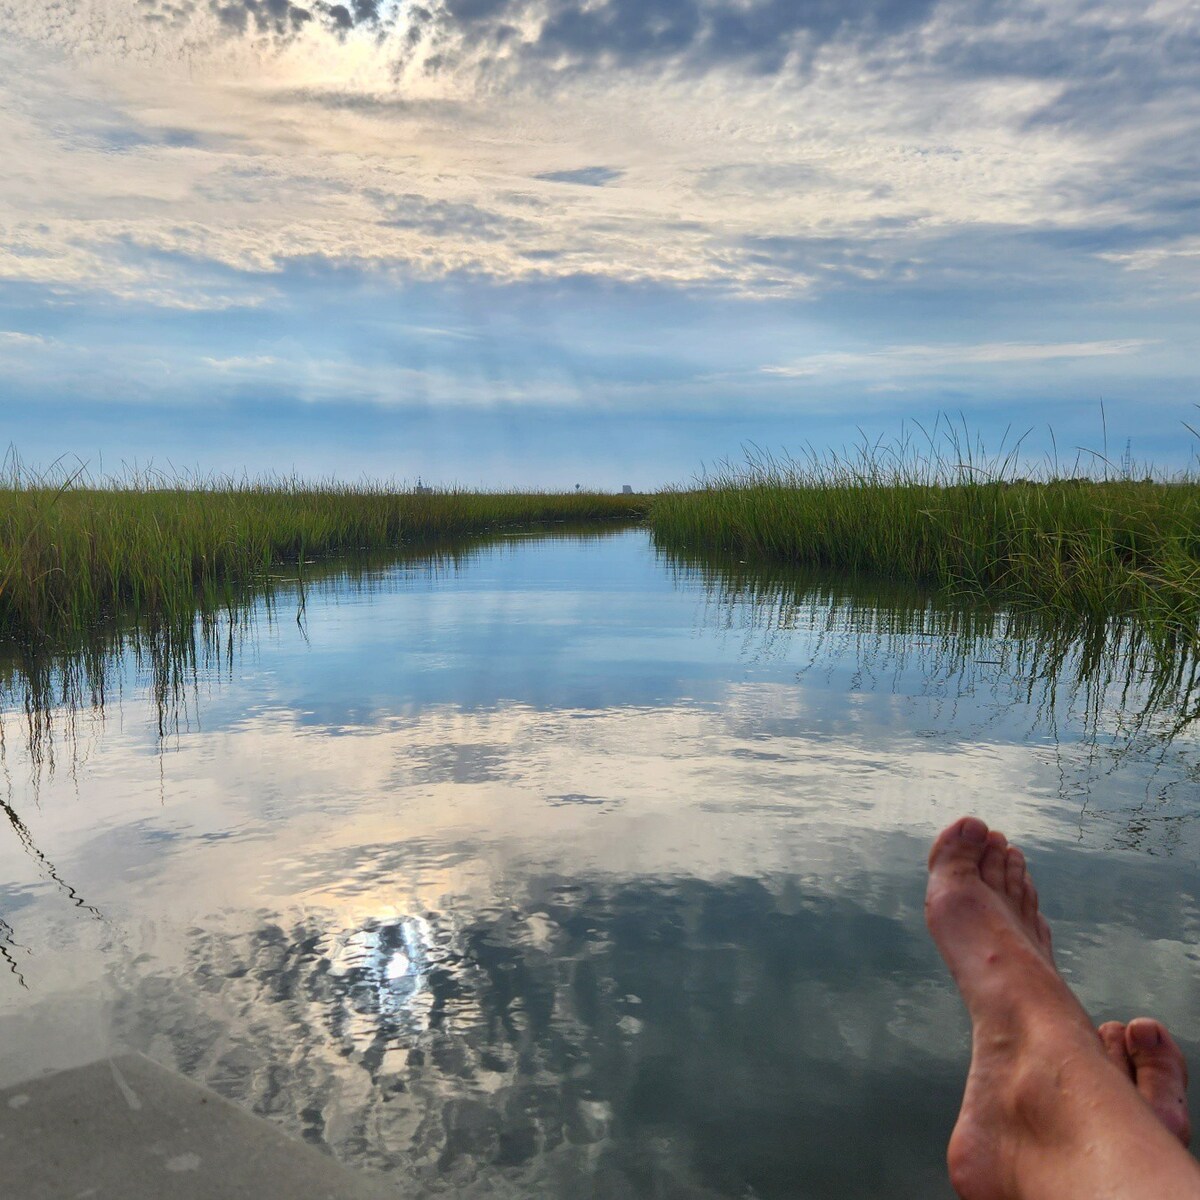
[[1093, 549], [75, 556], [1095, 582]]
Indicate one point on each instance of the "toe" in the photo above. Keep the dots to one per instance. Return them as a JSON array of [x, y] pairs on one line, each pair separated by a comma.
[[960, 845], [1014, 874], [1045, 937], [1112, 1035], [1160, 1072], [1029, 901], [992, 865]]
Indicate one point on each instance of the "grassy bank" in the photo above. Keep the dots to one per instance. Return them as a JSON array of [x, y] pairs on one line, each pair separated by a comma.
[[73, 556], [1082, 547]]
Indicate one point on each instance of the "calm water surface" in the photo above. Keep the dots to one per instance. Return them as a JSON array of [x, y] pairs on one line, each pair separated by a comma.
[[562, 869]]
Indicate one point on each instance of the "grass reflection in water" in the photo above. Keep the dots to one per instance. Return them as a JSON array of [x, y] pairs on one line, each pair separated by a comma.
[[1124, 690], [52, 688], [56, 695]]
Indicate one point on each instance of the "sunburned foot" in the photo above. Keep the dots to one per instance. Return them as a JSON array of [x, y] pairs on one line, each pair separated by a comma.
[[1041, 1088], [1145, 1053]]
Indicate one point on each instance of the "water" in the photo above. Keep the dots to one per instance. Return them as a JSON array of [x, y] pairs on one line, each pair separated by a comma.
[[560, 868]]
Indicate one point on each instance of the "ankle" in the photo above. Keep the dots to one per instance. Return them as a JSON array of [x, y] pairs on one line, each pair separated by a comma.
[[1013, 1109], [1050, 1064]]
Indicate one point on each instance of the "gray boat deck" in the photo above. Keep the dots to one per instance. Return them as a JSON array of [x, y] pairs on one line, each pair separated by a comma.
[[127, 1129]]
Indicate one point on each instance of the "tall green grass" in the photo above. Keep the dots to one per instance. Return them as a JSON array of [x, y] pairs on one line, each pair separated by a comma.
[[1097, 547], [74, 554]]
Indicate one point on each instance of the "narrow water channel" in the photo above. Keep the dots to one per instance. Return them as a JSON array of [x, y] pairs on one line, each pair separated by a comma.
[[565, 867]]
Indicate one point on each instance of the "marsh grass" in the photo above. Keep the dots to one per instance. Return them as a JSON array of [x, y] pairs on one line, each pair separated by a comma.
[[1119, 543], [75, 554]]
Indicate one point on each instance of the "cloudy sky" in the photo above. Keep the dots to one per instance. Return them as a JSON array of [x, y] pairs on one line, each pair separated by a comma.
[[598, 241]]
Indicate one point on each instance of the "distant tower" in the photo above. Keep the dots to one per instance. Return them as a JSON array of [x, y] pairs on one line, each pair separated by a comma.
[[626, 490]]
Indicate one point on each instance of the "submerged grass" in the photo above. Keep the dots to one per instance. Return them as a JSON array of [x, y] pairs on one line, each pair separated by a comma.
[[1116, 546], [74, 554]]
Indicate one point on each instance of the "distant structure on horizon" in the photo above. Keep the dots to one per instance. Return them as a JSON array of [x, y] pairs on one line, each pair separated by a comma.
[[421, 489], [626, 489]]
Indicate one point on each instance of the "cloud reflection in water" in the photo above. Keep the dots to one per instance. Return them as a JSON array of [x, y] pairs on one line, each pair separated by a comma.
[[607, 1036]]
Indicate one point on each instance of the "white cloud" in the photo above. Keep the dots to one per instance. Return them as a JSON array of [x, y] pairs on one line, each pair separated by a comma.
[[1153, 258], [239, 363], [922, 358], [138, 152]]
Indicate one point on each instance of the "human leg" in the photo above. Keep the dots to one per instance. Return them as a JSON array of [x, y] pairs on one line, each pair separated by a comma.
[[1047, 1115]]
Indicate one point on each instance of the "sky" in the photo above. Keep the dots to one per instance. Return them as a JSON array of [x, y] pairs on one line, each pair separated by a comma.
[[509, 243]]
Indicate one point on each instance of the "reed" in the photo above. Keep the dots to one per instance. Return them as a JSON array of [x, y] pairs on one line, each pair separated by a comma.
[[75, 553], [1118, 543]]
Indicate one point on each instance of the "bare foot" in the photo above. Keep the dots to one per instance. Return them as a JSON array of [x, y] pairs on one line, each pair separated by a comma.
[[1144, 1052], [982, 910], [1044, 1113]]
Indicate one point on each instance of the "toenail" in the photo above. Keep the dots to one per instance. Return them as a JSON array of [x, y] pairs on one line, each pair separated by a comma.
[[1144, 1035], [974, 830]]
